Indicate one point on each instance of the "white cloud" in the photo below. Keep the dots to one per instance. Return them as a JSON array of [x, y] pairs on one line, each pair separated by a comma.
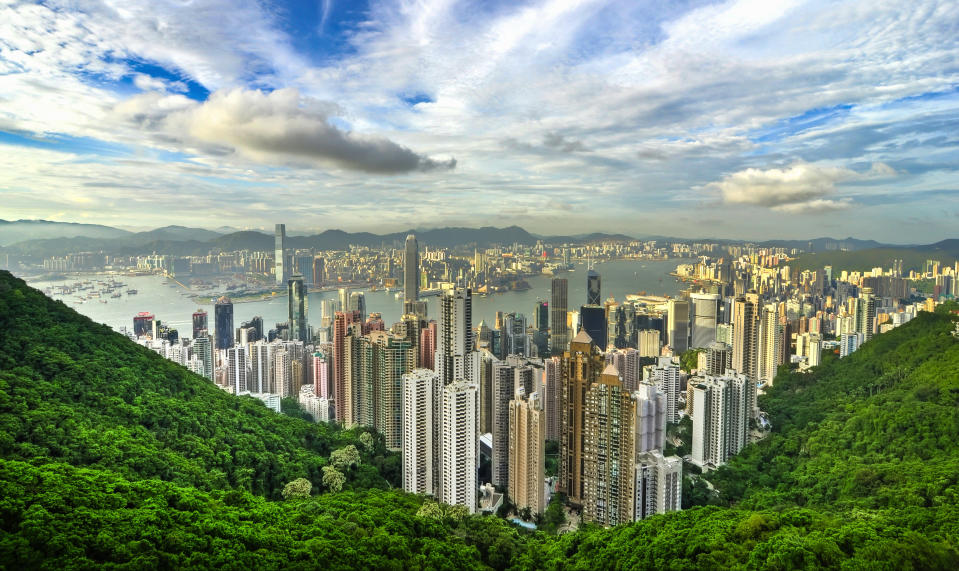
[[277, 127], [799, 188]]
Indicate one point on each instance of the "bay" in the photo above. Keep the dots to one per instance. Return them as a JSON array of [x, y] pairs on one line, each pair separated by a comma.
[[173, 305]]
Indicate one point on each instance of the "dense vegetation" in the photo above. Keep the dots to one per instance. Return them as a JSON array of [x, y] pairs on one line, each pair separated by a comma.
[[73, 391], [112, 456]]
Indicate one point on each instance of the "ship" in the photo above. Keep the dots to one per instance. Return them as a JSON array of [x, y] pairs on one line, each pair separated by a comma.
[[131, 292]]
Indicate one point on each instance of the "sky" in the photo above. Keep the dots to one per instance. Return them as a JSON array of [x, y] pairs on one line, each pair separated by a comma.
[[749, 119]]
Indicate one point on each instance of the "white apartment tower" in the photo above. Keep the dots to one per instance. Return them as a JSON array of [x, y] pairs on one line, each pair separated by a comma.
[[458, 456], [419, 414]]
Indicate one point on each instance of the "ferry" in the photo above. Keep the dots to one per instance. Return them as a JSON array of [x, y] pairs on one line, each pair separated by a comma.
[[131, 292]]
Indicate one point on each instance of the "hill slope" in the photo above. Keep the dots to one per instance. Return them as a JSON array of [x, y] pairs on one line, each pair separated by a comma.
[[74, 391], [111, 455]]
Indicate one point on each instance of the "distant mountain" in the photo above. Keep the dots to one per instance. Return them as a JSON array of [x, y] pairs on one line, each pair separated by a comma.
[[176, 233], [829, 244], [13, 231], [913, 257]]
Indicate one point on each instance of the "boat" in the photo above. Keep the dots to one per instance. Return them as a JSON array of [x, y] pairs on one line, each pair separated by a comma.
[[117, 294], [131, 292]]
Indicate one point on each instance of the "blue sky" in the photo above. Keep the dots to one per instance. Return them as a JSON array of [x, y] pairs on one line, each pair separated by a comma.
[[784, 119]]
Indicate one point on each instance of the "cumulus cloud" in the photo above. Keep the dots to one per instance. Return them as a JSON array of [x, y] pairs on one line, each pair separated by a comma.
[[800, 188], [279, 126], [797, 184]]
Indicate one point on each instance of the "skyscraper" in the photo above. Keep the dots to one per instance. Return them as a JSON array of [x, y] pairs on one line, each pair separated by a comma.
[[609, 453], [553, 393], [223, 315], [237, 369], [393, 357], [261, 367], [541, 315], [358, 304], [746, 335], [593, 290], [866, 322], [458, 455], [665, 377], [419, 416], [341, 324], [411, 270], [527, 453], [720, 414], [203, 350], [454, 336], [627, 362], [297, 299], [503, 391], [592, 319], [705, 316], [581, 367], [678, 318], [279, 259], [771, 339], [558, 329], [200, 324]]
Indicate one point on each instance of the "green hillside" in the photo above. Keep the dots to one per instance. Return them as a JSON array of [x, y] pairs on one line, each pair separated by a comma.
[[74, 391], [111, 456], [864, 260]]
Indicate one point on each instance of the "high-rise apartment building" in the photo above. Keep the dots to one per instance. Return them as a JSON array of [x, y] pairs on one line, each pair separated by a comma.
[[608, 451], [581, 367], [718, 357], [297, 300], [746, 316], [558, 329], [459, 443], [261, 367], [659, 484], [666, 377], [502, 393], [419, 415], [279, 256], [527, 453], [454, 336], [648, 341], [393, 358], [866, 318], [721, 411], [237, 369], [650, 418], [203, 351], [771, 340], [553, 396], [628, 363]]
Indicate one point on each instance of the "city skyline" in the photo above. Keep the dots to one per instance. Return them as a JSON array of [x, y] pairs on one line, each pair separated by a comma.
[[758, 121]]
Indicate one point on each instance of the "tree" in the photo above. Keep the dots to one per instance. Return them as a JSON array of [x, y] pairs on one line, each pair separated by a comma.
[[345, 457], [333, 479], [366, 439], [298, 488]]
